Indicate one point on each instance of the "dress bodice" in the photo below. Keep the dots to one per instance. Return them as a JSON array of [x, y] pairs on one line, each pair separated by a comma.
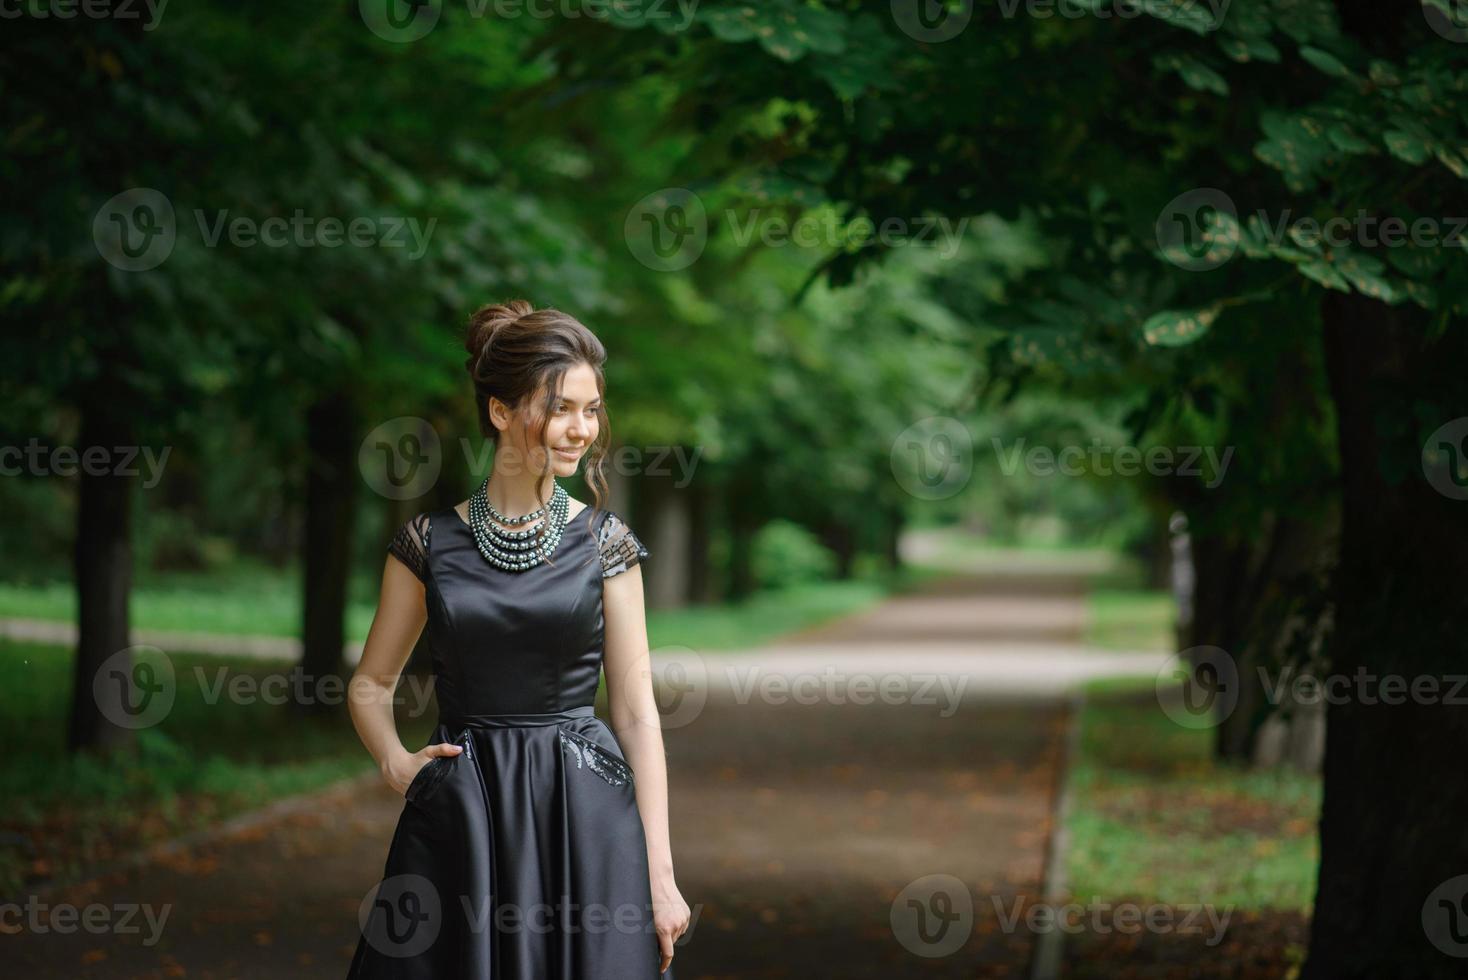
[[515, 642]]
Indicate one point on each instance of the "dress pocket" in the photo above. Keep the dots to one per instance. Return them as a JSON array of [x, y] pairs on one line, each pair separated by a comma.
[[590, 755], [426, 781]]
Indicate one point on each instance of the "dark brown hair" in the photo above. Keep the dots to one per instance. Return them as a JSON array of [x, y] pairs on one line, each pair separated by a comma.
[[516, 351]]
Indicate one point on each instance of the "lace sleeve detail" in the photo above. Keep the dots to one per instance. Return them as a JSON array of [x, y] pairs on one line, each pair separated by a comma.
[[409, 545], [620, 549]]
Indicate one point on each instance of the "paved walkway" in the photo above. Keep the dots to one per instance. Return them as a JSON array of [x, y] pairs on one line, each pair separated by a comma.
[[813, 782]]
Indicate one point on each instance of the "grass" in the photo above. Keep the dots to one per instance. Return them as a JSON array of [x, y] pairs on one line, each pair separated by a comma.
[[1130, 619], [209, 758], [1156, 819], [266, 602], [248, 600]]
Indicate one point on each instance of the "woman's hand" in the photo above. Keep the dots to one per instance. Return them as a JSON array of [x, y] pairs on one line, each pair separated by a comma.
[[401, 769], [669, 917]]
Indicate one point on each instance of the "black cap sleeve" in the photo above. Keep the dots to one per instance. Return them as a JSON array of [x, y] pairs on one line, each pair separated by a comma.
[[409, 545], [620, 549]]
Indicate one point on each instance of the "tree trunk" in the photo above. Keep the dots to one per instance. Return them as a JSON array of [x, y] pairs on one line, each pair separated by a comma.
[[1219, 613], [663, 522], [102, 555], [839, 536], [700, 586], [1157, 553], [331, 488], [1391, 828], [744, 521], [892, 536]]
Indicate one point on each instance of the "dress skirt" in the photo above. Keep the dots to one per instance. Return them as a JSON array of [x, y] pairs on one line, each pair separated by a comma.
[[521, 858]]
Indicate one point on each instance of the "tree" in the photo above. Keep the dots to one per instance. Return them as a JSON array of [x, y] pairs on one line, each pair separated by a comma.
[[1097, 126]]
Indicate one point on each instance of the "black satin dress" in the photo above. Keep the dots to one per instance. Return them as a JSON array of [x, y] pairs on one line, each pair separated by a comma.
[[522, 857]]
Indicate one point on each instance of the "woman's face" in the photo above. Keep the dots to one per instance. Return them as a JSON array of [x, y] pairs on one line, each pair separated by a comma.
[[570, 429]]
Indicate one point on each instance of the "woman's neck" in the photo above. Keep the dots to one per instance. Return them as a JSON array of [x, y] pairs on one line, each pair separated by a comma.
[[514, 496]]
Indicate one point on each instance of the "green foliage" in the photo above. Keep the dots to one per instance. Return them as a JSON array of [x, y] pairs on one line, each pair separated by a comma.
[[786, 554], [1176, 328]]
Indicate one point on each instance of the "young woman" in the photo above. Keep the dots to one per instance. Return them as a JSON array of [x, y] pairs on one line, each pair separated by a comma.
[[533, 843]]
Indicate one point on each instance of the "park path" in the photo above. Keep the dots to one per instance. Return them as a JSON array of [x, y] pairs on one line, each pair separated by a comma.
[[797, 820]]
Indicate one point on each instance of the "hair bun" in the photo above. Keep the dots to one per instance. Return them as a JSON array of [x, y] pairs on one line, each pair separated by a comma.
[[487, 321]]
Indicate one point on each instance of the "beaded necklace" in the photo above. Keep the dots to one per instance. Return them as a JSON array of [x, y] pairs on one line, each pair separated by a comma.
[[516, 551]]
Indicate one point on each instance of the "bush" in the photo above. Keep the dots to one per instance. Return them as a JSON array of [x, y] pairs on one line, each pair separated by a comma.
[[787, 554]]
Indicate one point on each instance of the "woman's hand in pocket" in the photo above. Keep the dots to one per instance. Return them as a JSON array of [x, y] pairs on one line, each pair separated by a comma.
[[402, 769]]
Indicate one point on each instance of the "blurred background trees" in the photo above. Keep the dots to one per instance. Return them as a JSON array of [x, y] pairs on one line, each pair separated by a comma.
[[1130, 271]]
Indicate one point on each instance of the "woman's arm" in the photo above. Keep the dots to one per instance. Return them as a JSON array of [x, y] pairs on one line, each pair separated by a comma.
[[635, 720], [401, 613]]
